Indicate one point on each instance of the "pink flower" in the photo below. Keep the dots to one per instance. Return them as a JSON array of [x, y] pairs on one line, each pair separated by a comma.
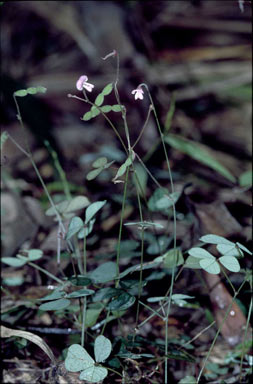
[[82, 84], [138, 93]]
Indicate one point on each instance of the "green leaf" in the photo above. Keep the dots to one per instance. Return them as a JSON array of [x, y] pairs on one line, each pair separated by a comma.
[[102, 349], [229, 250], [31, 91], [86, 231], [55, 305], [230, 262], [80, 293], [13, 261], [93, 313], [75, 225], [245, 179], [80, 280], [180, 299], [122, 169], [93, 209], [192, 262], [105, 293], [117, 108], [167, 201], [104, 273], [100, 162], [78, 202], [200, 253], [21, 93], [61, 207], [145, 224], [93, 374], [53, 296], [106, 108], [99, 99], [198, 152], [122, 302], [35, 254], [107, 89], [78, 359], [94, 111], [188, 380], [66, 206], [93, 174], [87, 116], [41, 89], [215, 239], [210, 266], [157, 195], [172, 260], [243, 248]]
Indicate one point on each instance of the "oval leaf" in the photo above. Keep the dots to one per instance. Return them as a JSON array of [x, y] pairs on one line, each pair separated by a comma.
[[104, 272], [80, 293], [107, 89], [243, 248], [93, 209], [13, 261], [122, 302], [215, 239], [94, 374], [228, 250], [100, 162], [53, 296], [78, 359], [200, 253], [230, 262], [210, 266], [21, 93], [99, 99], [78, 202], [32, 91], [106, 108], [76, 224], [93, 174], [102, 348], [87, 116], [167, 201], [55, 305], [35, 254], [117, 108]]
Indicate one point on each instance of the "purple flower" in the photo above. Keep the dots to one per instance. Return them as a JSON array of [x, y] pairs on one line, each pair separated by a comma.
[[138, 93], [82, 84]]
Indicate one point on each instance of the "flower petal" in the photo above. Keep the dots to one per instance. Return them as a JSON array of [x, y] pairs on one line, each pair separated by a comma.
[[80, 81]]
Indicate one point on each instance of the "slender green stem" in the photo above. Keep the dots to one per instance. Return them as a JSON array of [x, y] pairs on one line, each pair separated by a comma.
[[143, 128], [174, 221], [103, 329], [121, 225], [84, 253], [46, 272], [151, 309], [83, 320], [112, 370], [228, 279]]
